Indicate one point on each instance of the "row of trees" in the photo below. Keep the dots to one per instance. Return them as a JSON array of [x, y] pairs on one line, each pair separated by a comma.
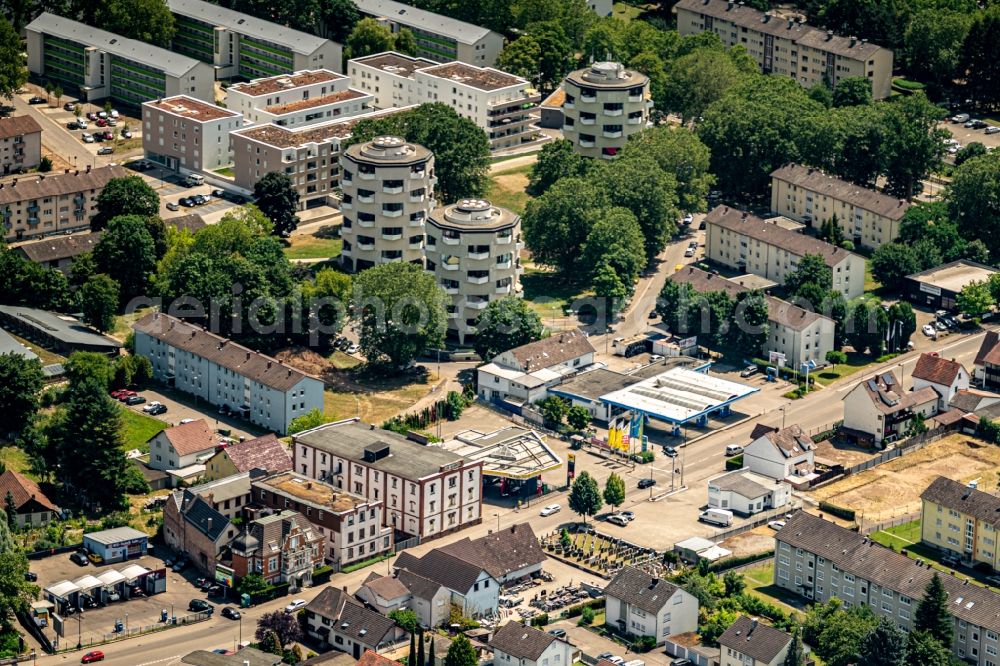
[[716, 317], [16, 593]]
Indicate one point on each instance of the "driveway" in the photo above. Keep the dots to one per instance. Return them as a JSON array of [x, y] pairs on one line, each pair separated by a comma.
[[181, 406]]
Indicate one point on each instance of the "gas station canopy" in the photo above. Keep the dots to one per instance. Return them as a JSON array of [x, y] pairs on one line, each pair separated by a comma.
[[512, 452], [679, 396]]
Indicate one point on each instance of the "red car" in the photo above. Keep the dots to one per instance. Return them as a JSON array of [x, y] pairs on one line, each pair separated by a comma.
[[123, 394], [117, 394], [92, 656], [101, 122]]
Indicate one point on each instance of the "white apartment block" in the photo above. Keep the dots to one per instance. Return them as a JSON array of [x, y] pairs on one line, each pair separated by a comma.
[[237, 44], [744, 242], [605, 104], [256, 387], [55, 203], [427, 491], [820, 560], [788, 47], [503, 105], [438, 37], [473, 249], [807, 195], [188, 135], [20, 143], [302, 98]]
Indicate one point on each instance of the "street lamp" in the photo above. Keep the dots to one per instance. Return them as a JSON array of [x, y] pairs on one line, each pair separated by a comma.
[[498, 521]]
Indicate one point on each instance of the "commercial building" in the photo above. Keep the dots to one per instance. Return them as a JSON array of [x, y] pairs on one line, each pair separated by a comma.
[[605, 104], [878, 409], [509, 555], [20, 143], [438, 37], [58, 332], [744, 242], [787, 47], [116, 545], [232, 377], [36, 206], [749, 642], [867, 217], [245, 657], [192, 526], [57, 252], [520, 645], [638, 604], [282, 547], [188, 135], [388, 193], [32, 508], [236, 44], [747, 493], [427, 491], [961, 520], [503, 105], [92, 64], [820, 560], [514, 459], [938, 288], [302, 98], [352, 525], [473, 248]]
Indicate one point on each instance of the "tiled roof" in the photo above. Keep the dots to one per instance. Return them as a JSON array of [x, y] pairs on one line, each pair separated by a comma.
[[190, 438], [936, 370], [418, 586], [18, 126], [970, 400], [200, 515], [371, 658], [23, 490], [521, 642], [791, 441], [265, 453], [58, 184], [241, 360], [245, 656], [443, 568], [387, 587], [816, 180], [856, 554], [640, 589], [553, 350], [500, 553], [59, 247], [960, 497], [754, 639], [989, 351], [364, 626], [888, 397], [272, 531]]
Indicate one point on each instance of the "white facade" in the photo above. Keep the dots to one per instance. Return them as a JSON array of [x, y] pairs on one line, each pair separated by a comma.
[[864, 413], [605, 105], [678, 615], [187, 134], [946, 391], [558, 653], [295, 100], [747, 493], [163, 455], [762, 456]]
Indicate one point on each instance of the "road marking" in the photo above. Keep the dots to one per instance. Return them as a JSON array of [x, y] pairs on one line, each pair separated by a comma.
[[160, 661]]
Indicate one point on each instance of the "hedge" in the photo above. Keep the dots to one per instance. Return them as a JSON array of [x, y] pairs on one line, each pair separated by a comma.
[[269, 593], [540, 620], [364, 563], [574, 611], [738, 561], [784, 372], [839, 511], [736, 462], [322, 575]]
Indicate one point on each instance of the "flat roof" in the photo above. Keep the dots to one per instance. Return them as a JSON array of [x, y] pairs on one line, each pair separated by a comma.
[[472, 215], [436, 24], [282, 137], [284, 82], [62, 327], [333, 98], [678, 395], [954, 276], [512, 452], [592, 384], [132, 49], [607, 75], [296, 40], [191, 108], [318, 494], [394, 63], [8, 345], [115, 535], [483, 78]]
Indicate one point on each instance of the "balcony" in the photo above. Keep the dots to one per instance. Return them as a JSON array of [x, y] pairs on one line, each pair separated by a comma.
[[417, 175], [636, 121], [366, 176], [477, 280], [346, 205], [505, 289], [479, 255], [568, 128], [451, 290], [613, 112], [612, 135], [588, 98], [568, 104], [477, 305], [392, 189], [366, 245], [448, 240], [389, 212], [504, 240], [417, 198], [417, 222], [504, 264], [453, 315], [588, 121], [586, 143], [393, 236], [366, 199], [368, 224], [635, 98], [416, 245], [448, 266], [345, 251]]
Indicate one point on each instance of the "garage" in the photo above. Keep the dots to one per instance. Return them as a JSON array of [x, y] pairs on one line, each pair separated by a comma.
[[117, 545]]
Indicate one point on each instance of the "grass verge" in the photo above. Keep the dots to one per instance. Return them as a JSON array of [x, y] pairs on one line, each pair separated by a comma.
[[139, 428], [225, 171], [626, 12], [855, 363], [313, 247]]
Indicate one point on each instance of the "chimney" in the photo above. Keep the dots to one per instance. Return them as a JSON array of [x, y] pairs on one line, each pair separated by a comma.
[[730, 5], [268, 365], [248, 356], [854, 40], [766, 18], [41, 177], [829, 35], [88, 168], [209, 524], [753, 627], [77, 173], [371, 426]]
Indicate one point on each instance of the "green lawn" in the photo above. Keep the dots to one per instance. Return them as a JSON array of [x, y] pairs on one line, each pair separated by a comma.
[[855, 363], [313, 247], [760, 583], [14, 459], [547, 293], [625, 12], [871, 284], [139, 428], [226, 171], [507, 188]]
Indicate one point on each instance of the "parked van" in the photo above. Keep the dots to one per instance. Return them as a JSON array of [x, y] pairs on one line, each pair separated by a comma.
[[720, 517], [734, 450], [194, 180]]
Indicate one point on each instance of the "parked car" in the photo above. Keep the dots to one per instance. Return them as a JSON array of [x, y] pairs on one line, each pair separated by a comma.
[[653, 314], [978, 124], [37, 100], [604, 655], [151, 405], [92, 656], [112, 122], [653, 358], [749, 371], [295, 605], [187, 202], [627, 515], [126, 134], [87, 138], [179, 565], [114, 113], [157, 410], [30, 576], [200, 199], [776, 524], [558, 633], [550, 509], [106, 150], [172, 206], [353, 348], [230, 612], [142, 165], [95, 558], [69, 106], [646, 483], [219, 194], [941, 326], [689, 218], [670, 451], [200, 606], [73, 125], [929, 331], [992, 129], [970, 123], [616, 519], [960, 118], [101, 122], [689, 252], [734, 450], [79, 559], [108, 135], [82, 124]]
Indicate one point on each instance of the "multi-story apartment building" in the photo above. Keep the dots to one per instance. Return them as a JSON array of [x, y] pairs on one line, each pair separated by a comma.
[[963, 520], [232, 377], [788, 47], [427, 491], [820, 560], [237, 44], [303, 98], [438, 37], [504, 106], [744, 242], [605, 104], [282, 547], [808, 195], [20, 143], [36, 206], [473, 249], [353, 525], [188, 135], [388, 193], [93, 64]]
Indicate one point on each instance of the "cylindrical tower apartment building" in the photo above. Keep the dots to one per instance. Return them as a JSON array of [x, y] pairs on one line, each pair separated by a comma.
[[605, 104], [388, 192], [473, 249]]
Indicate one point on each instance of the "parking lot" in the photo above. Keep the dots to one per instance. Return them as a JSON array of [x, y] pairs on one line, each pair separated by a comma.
[[181, 406], [63, 117], [171, 188], [966, 135]]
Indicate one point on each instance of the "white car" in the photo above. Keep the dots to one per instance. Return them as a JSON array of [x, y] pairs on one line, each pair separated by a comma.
[[689, 218], [689, 252], [776, 524], [929, 331], [87, 138], [550, 509], [653, 358], [150, 406], [616, 660], [353, 349], [295, 605]]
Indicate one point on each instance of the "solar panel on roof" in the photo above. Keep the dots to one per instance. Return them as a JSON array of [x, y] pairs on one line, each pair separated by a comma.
[[888, 379]]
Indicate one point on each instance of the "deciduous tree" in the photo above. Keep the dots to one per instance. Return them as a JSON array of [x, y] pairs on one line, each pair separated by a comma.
[[556, 160], [974, 200], [615, 239], [127, 254], [852, 91], [812, 269], [638, 184], [975, 299], [367, 38], [681, 154], [461, 653], [13, 72], [521, 57], [892, 262], [585, 496], [578, 417], [284, 625], [505, 323], [98, 299], [556, 224], [884, 646], [614, 491], [129, 195], [913, 143], [21, 380], [922, 648], [149, 21], [278, 200]]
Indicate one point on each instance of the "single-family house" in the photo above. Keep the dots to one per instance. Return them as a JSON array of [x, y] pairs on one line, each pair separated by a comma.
[[747, 493], [515, 644], [31, 506], [264, 453], [786, 453], [972, 400], [521, 376], [470, 586], [383, 593], [282, 547], [340, 622], [182, 446], [749, 642], [638, 604], [945, 376], [430, 600], [879, 410]]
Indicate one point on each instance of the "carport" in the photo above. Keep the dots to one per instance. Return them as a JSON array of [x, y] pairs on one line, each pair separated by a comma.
[[113, 583], [88, 586], [61, 594]]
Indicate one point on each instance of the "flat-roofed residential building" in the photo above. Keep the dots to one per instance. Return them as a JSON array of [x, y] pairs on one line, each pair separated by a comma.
[[439, 38], [188, 135], [388, 193], [427, 491], [787, 47], [93, 64], [503, 105], [237, 44], [36, 206], [473, 249], [962, 520], [302, 98], [20, 143], [605, 104], [819, 560], [744, 242], [806, 194]]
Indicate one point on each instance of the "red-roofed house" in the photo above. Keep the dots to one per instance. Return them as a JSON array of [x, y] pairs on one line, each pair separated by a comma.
[[31, 506], [182, 446], [947, 377], [265, 453]]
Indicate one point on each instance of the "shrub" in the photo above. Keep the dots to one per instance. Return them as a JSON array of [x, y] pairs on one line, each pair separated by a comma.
[[322, 575], [643, 457], [736, 462], [540, 620], [644, 644], [839, 511], [587, 617]]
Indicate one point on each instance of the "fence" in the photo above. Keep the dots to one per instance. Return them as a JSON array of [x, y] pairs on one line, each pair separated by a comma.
[[68, 644], [761, 519], [871, 527], [906, 446], [824, 428]]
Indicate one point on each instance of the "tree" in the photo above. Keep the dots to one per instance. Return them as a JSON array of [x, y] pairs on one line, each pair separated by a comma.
[[902, 324], [880, 21], [922, 648], [680, 153], [336, 19], [278, 199], [650, 193], [836, 633], [21, 380], [812, 269], [853, 91], [6, 538], [404, 42], [556, 53], [554, 409], [698, 79], [129, 195], [284, 625], [82, 366], [99, 302], [16, 593], [269, 643], [795, 656], [916, 426], [676, 305], [615, 239], [982, 56], [611, 289], [10, 508], [45, 164], [431, 656], [127, 254], [149, 21], [367, 38], [614, 491], [406, 619], [836, 357], [556, 224], [585, 496], [892, 262], [975, 299], [503, 324], [913, 144], [750, 326], [933, 45], [521, 57], [653, 66], [968, 151], [253, 583], [13, 72], [461, 653], [556, 160], [884, 646], [602, 41], [578, 417], [932, 614], [974, 200], [400, 311], [421, 657]]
